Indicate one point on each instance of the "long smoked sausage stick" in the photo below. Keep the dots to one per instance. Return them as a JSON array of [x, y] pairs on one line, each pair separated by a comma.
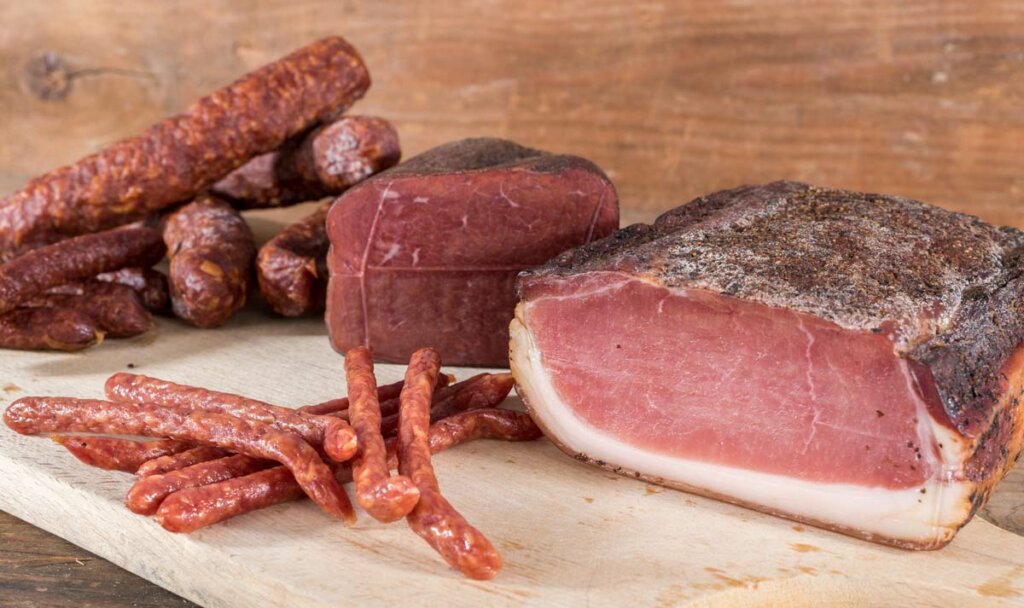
[[434, 518], [197, 507], [117, 453], [181, 460], [384, 497], [178, 157], [33, 415], [146, 494], [76, 259], [333, 406], [312, 428]]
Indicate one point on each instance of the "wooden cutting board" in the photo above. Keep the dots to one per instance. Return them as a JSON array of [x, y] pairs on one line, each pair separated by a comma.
[[570, 534]]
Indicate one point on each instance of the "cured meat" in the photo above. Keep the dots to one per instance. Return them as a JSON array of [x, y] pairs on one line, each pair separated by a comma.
[[324, 162], [116, 453], [48, 329], [849, 360], [427, 252], [291, 268], [176, 158], [211, 250]]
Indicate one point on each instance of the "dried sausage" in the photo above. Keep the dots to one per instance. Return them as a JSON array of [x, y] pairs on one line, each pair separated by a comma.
[[31, 415], [332, 406], [384, 497], [311, 428], [175, 159], [116, 453], [211, 249], [116, 309], [480, 391], [146, 494], [194, 508], [433, 518], [76, 259], [173, 462], [387, 395], [150, 284], [291, 268], [324, 162], [62, 329], [191, 509]]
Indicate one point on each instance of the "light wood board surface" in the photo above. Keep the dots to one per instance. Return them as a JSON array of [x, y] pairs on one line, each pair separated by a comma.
[[571, 535]]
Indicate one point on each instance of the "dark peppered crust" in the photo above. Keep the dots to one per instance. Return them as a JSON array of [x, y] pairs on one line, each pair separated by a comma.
[[945, 286], [176, 158], [485, 154]]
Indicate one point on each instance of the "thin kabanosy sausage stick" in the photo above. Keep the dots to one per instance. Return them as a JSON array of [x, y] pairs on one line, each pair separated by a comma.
[[332, 406], [194, 508], [312, 428], [384, 497], [387, 395], [434, 519], [480, 391], [117, 453], [173, 462], [33, 415], [146, 494]]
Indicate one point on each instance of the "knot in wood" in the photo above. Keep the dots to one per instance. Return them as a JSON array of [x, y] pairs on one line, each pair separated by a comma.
[[49, 77]]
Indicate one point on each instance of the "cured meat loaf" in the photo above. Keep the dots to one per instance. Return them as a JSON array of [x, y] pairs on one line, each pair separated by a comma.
[[427, 252], [850, 360]]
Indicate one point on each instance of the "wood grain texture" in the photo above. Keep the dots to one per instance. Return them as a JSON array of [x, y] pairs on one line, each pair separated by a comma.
[[673, 99], [571, 534], [40, 570]]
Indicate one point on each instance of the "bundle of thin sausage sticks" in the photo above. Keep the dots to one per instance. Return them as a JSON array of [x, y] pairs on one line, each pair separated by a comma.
[[217, 455]]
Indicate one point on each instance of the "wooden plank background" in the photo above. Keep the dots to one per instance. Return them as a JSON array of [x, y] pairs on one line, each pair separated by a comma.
[[674, 99]]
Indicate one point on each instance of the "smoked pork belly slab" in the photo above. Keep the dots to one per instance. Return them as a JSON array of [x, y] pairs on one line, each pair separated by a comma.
[[849, 360]]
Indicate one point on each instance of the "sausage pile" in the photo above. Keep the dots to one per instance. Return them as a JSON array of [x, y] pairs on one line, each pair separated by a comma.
[[71, 272], [217, 455]]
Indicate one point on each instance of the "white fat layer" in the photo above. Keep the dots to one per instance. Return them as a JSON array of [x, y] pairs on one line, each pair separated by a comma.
[[900, 515]]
